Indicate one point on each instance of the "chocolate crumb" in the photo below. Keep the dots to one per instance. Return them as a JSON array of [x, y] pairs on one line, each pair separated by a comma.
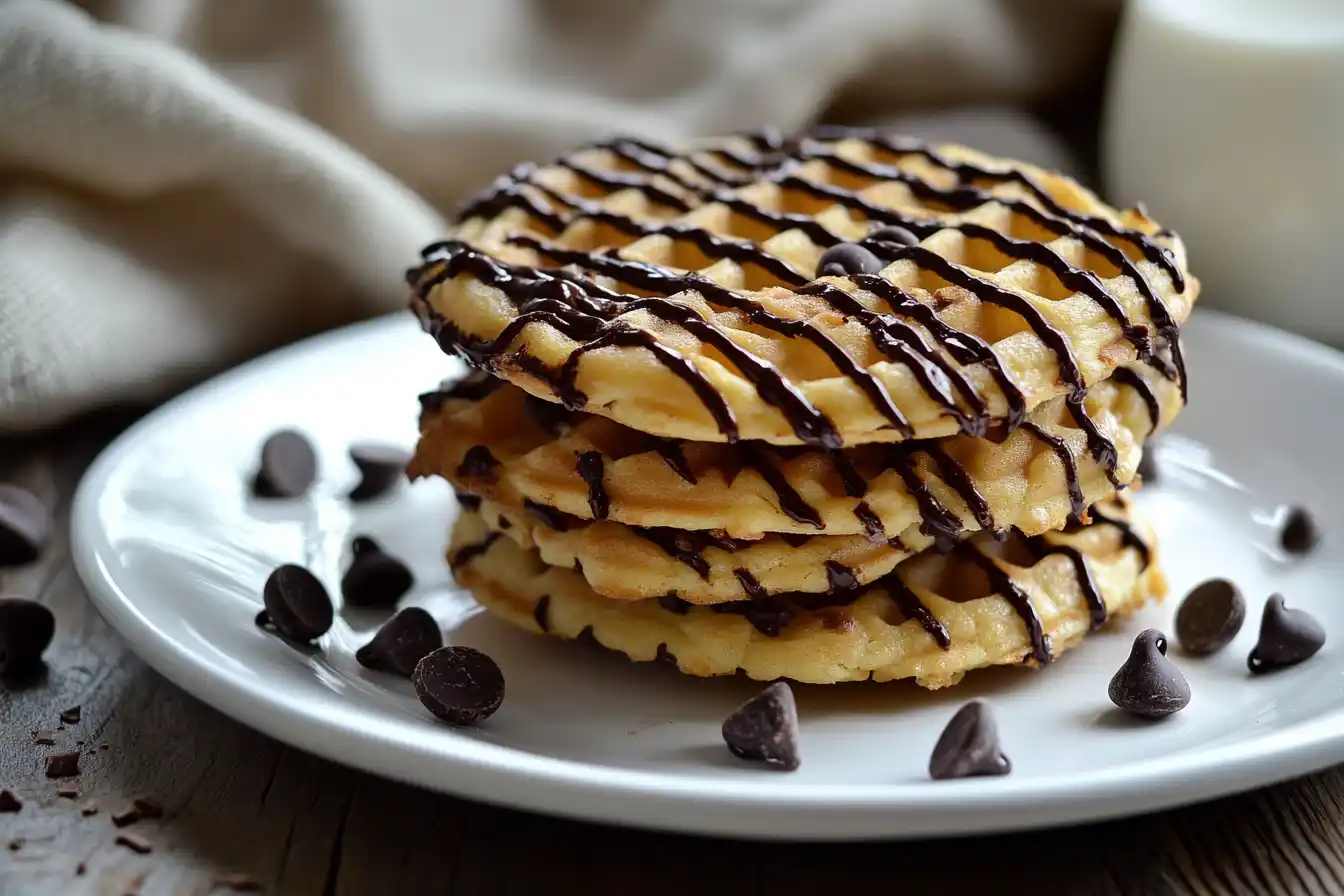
[[135, 843], [16, 844], [72, 715], [239, 882], [9, 802], [89, 808], [68, 793], [80, 869], [104, 746], [125, 816], [148, 807], [1300, 533], [63, 765]]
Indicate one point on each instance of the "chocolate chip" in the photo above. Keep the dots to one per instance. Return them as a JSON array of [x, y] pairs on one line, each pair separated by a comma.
[[1300, 534], [375, 578], [1210, 617], [765, 729], [288, 466], [63, 765], [72, 715], [81, 869], [25, 526], [847, 258], [26, 628], [1149, 684], [896, 235], [1287, 637], [380, 468], [666, 657], [969, 746], [16, 844], [148, 807], [1147, 471], [404, 641], [9, 802], [460, 685], [135, 843], [297, 604], [126, 816]]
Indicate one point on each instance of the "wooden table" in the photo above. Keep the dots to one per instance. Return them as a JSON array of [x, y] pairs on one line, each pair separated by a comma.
[[238, 803]]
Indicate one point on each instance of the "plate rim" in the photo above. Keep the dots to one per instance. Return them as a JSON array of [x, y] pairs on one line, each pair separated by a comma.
[[514, 777]]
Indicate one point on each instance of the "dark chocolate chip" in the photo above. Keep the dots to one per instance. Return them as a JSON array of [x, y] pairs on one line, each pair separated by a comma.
[[16, 844], [460, 685], [1287, 637], [25, 526], [375, 578], [1210, 617], [9, 802], [1300, 533], [1148, 684], [380, 468], [362, 543], [72, 715], [26, 628], [969, 746], [765, 728], [893, 234], [63, 765], [403, 641], [666, 657], [135, 843], [288, 466], [297, 604], [125, 816], [847, 258], [1148, 472]]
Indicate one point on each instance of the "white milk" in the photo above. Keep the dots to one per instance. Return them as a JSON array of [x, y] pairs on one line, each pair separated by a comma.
[[1226, 117]]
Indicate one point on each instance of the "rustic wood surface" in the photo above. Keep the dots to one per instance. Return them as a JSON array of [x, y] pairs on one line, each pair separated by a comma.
[[242, 809]]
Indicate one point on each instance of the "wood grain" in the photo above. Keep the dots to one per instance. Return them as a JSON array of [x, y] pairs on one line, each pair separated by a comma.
[[238, 802]]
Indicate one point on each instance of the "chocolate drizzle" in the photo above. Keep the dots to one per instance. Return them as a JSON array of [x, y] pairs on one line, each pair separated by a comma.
[[912, 607], [791, 504], [1077, 503], [1096, 604], [590, 469], [472, 551], [675, 458], [1004, 585], [688, 545], [1129, 538], [872, 523], [548, 516], [1127, 377], [477, 463]]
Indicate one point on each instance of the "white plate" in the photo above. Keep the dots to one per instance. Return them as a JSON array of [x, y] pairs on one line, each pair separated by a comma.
[[174, 554]]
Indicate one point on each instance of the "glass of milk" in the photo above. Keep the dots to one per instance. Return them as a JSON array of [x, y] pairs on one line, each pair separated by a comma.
[[1226, 117]]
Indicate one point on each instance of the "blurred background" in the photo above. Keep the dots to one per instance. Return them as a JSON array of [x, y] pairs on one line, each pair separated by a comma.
[[185, 183]]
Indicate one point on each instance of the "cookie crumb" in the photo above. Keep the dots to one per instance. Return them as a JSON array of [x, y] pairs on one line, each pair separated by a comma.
[[125, 816], [63, 765], [135, 843]]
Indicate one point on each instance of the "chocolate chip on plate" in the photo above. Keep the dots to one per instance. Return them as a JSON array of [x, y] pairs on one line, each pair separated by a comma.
[[63, 765], [893, 234], [765, 729], [135, 843], [1148, 684], [26, 628], [1287, 637], [296, 603], [125, 816], [72, 715], [1300, 534], [25, 526], [848, 258], [380, 468], [1209, 617], [969, 746], [288, 466], [460, 685], [402, 642], [9, 802], [375, 578]]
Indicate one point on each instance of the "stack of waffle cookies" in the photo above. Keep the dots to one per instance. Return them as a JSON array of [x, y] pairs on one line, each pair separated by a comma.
[[829, 407]]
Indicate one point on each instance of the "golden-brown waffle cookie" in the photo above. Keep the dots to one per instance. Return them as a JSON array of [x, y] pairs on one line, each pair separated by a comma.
[[630, 563], [496, 441], [675, 292], [935, 618]]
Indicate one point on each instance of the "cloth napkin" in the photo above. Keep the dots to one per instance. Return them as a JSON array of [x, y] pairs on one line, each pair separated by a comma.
[[184, 183]]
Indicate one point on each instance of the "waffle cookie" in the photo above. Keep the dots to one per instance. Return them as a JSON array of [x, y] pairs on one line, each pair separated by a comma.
[[937, 616], [496, 441], [677, 292]]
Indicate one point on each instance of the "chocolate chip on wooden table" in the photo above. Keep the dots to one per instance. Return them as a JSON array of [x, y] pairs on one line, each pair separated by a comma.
[[63, 765], [25, 526], [460, 685], [847, 258], [296, 603], [288, 466], [1209, 617], [765, 729], [896, 235], [374, 578], [1300, 534], [380, 466], [1149, 685], [402, 642], [969, 746], [26, 628], [1287, 637]]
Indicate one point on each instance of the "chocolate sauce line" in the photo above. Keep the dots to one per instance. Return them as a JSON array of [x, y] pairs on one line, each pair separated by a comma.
[[1129, 537], [648, 157], [624, 181], [955, 475], [1096, 604], [590, 469], [912, 607], [937, 521], [1102, 449], [1077, 503], [472, 551], [791, 504], [675, 458], [548, 516], [872, 523], [1127, 377], [854, 484], [477, 463], [1003, 584]]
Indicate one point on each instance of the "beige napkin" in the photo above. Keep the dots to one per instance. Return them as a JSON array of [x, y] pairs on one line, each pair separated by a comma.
[[172, 197]]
